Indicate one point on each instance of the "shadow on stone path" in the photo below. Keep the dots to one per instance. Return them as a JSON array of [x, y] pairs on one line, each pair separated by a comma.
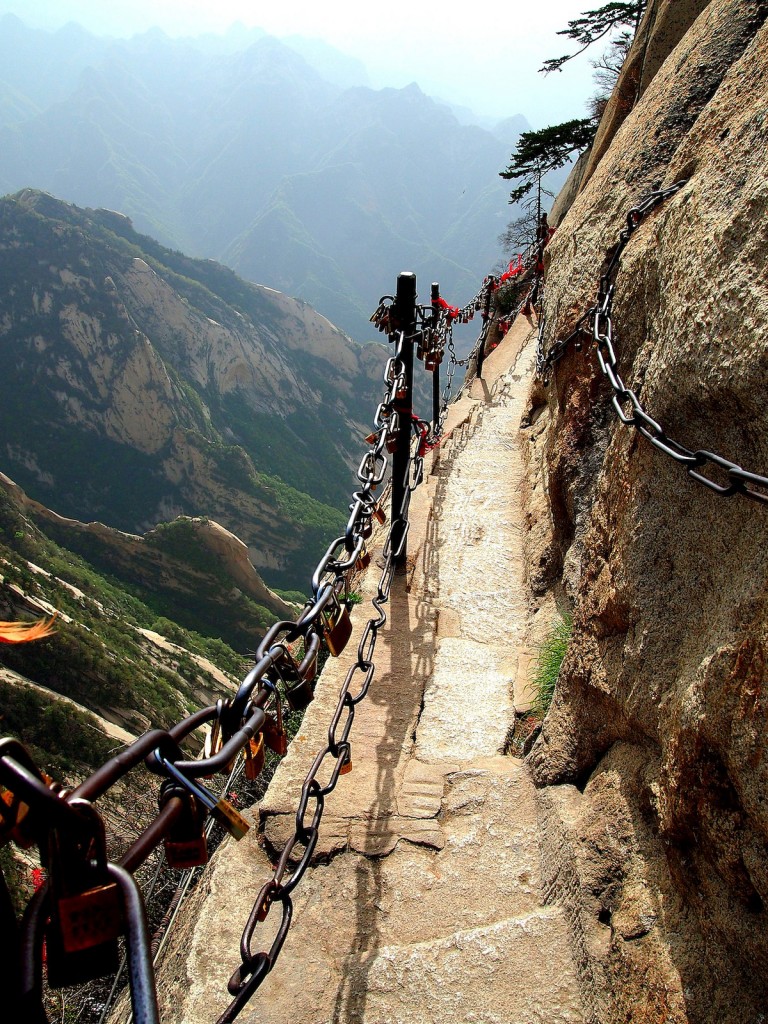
[[425, 902]]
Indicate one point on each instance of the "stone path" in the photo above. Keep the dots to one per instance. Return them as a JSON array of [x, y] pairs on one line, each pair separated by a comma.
[[426, 905]]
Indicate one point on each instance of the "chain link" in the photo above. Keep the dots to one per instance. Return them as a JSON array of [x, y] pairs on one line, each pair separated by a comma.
[[237, 721], [597, 323]]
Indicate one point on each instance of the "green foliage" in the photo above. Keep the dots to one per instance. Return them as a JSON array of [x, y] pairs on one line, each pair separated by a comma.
[[212, 648], [292, 596], [57, 735], [595, 25], [546, 150], [549, 659]]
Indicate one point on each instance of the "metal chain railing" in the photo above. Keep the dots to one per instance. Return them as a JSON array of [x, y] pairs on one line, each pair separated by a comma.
[[87, 901], [597, 324]]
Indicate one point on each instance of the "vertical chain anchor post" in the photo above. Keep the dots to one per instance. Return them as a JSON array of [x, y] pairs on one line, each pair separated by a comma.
[[484, 333], [404, 313], [436, 396]]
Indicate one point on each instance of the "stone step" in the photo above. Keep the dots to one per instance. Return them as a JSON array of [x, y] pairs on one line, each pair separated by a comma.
[[518, 970]]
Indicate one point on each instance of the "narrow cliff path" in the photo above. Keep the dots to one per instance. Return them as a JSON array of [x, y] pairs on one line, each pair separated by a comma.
[[426, 903]]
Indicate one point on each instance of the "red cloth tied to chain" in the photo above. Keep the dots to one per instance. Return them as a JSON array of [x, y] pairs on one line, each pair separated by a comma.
[[453, 311], [513, 270]]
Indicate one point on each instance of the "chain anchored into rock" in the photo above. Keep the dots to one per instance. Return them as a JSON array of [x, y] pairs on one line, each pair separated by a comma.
[[596, 325]]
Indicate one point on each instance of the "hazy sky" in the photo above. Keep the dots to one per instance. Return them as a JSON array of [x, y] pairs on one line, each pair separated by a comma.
[[484, 55]]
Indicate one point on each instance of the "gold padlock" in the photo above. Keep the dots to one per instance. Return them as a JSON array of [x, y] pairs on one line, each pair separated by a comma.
[[213, 743], [337, 626], [232, 820]]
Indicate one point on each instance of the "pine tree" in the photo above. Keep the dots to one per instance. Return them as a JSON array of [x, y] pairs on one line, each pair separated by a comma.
[[539, 152], [594, 25]]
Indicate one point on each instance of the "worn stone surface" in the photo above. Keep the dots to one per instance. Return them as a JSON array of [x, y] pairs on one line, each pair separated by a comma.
[[427, 902], [660, 715]]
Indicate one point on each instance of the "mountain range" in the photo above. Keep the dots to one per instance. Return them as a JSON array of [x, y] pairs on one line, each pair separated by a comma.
[[248, 154], [137, 384]]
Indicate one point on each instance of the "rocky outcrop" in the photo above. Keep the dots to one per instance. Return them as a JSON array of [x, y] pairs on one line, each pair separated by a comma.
[[659, 724], [201, 571]]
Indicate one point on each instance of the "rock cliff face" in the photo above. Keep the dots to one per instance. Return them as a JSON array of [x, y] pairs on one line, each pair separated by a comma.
[[655, 752]]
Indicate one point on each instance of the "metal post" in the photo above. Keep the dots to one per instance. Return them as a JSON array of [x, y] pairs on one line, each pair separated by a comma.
[[404, 315], [484, 332], [436, 373]]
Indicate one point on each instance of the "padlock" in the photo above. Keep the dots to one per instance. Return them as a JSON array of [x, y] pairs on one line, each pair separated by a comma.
[[337, 626], [379, 514], [366, 527], [346, 764], [363, 560], [213, 743], [255, 757], [86, 905], [220, 809], [372, 438], [275, 735], [186, 845], [90, 918], [430, 364], [183, 854], [392, 440], [18, 824], [300, 695]]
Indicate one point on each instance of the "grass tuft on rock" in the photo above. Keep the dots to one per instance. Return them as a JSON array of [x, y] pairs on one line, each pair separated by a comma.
[[550, 656]]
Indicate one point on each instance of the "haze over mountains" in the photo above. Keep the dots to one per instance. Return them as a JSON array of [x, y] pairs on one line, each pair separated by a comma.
[[238, 149]]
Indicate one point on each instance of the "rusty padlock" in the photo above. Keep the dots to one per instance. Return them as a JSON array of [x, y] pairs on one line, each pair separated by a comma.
[[275, 735], [337, 625], [378, 513], [86, 905], [363, 560], [255, 757], [186, 845]]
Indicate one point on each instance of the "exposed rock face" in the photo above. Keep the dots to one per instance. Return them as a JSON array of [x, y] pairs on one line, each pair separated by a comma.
[[137, 384], [660, 714]]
